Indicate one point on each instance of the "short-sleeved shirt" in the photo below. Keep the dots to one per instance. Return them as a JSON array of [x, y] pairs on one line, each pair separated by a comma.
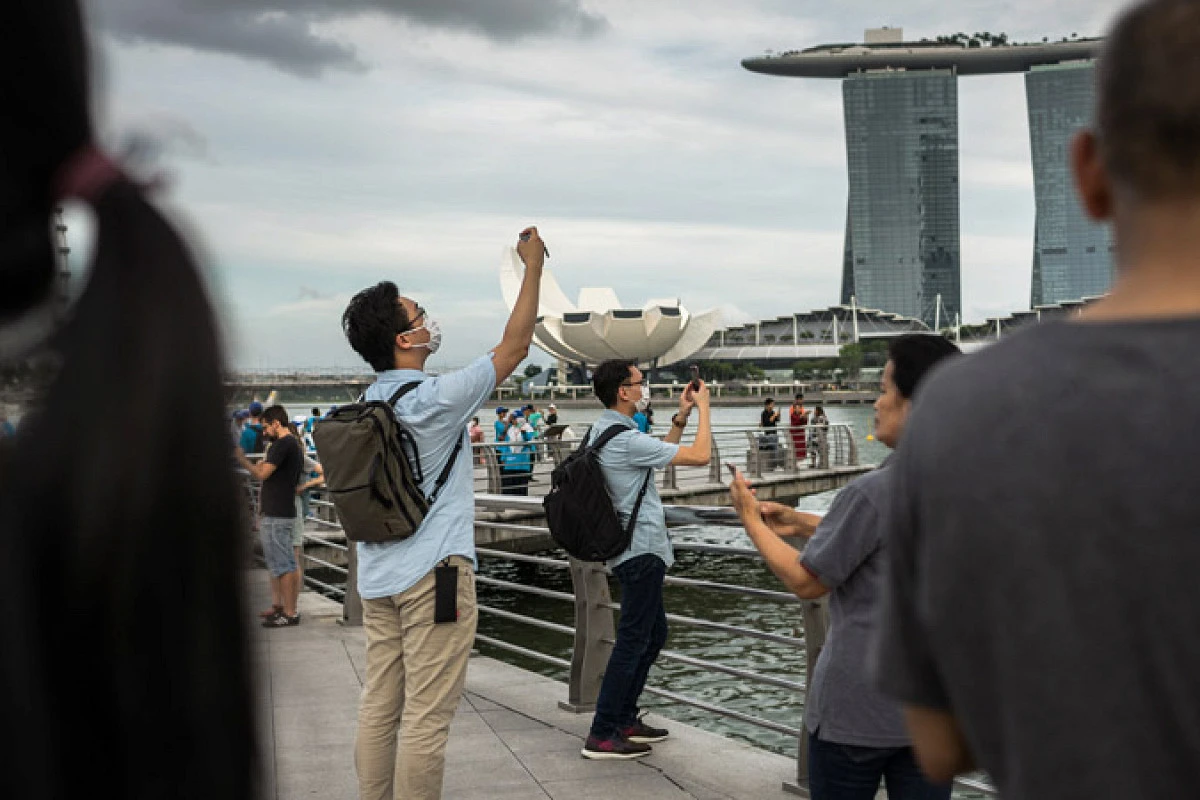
[[1043, 552], [768, 418], [844, 554], [626, 461], [279, 490], [436, 413]]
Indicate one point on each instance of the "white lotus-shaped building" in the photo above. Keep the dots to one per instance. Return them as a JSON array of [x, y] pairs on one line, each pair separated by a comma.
[[598, 328]]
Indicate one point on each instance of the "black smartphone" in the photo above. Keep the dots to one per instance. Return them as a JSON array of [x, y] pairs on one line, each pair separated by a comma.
[[732, 469], [695, 370], [445, 593]]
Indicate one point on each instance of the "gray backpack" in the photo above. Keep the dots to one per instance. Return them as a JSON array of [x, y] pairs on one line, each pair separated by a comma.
[[373, 470]]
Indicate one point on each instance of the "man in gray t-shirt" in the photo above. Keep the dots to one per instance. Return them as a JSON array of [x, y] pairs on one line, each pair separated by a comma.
[[1042, 617], [857, 736]]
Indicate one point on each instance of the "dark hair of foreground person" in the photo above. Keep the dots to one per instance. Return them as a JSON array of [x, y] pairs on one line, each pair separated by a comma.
[[124, 664]]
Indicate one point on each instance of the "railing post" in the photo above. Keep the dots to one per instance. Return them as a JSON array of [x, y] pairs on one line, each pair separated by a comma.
[[491, 461], [789, 447], [670, 479], [853, 454], [816, 622], [754, 461], [352, 612], [594, 629], [714, 459]]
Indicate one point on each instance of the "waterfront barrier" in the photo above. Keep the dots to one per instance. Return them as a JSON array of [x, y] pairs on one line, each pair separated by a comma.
[[758, 452], [593, 630]]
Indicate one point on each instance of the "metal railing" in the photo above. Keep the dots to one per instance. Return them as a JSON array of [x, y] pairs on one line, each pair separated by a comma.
[[757, 452], [593, 628]]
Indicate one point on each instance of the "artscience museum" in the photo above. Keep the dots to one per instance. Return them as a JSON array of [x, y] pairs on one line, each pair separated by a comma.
[[598, 327]]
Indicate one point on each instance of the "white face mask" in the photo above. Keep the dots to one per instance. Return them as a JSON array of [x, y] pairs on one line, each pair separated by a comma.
[[642, 403], [435, 334]]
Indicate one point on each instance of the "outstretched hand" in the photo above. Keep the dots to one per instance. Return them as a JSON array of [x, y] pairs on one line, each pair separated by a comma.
[[744, 499], [531, 248]]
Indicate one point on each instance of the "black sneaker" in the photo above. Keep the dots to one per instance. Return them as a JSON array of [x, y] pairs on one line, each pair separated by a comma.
[[643, 733], [616, 747], [281, 620]]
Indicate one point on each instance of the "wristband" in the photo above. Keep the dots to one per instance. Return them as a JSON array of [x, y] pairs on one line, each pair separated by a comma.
[[677, 423]]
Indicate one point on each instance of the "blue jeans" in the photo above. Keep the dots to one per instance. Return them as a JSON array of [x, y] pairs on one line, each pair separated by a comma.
[[641, 634], [852, 772]]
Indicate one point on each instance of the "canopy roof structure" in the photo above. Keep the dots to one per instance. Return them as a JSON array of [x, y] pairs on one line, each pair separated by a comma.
[[598, 327], [838, 61]]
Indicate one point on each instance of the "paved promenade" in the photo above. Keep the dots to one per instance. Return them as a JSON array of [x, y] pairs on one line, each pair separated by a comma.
[[509, 739]]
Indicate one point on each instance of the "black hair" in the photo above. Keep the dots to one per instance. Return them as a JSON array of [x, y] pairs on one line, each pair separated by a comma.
[[276, 413], [607, 380], [1148, 100], [768, 401], [371, 322], [799, 397], [316, 412], [913, 354], [121, 585]]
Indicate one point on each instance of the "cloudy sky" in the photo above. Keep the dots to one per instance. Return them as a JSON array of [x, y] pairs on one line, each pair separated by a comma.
[[318, 146]]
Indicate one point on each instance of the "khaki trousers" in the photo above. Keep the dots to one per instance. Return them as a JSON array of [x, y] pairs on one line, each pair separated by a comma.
[[415, 676]]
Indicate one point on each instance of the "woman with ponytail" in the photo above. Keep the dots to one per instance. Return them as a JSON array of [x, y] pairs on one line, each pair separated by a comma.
[[124, 663]]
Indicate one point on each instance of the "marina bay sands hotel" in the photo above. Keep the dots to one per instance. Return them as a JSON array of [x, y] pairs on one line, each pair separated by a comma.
[[901, 113]]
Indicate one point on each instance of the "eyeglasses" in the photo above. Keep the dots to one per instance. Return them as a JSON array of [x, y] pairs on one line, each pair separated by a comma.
[[412, 323], [645, 384]]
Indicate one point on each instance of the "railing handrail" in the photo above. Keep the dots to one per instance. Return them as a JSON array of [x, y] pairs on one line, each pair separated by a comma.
[[594, 631]]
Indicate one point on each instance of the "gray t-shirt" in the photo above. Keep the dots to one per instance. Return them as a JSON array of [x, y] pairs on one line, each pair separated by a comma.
[[1044, 559], [844, 554]]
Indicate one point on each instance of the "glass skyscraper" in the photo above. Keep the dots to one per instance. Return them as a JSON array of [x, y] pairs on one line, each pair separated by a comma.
[[902, 227], [1072, 256]]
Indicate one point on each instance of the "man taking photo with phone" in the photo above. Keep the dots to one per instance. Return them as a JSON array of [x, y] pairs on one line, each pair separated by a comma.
[[628, 463]]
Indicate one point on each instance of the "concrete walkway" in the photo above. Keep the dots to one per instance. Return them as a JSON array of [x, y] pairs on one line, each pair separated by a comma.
[[508, 740]]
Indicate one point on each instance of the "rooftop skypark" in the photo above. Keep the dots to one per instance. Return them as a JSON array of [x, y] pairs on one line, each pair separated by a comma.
[[885, 49]]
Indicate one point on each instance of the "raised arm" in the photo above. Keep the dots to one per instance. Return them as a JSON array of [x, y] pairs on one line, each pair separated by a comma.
[[780, 556], [699, 452], [518, 333]]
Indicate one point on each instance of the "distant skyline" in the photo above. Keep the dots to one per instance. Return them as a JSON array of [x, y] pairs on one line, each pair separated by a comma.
[[319, 147]]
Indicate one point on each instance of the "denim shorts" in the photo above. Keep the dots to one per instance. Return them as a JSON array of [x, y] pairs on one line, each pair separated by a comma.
[[276, 535]]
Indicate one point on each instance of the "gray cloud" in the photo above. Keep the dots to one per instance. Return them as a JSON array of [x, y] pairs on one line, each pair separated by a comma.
[[280, 32]]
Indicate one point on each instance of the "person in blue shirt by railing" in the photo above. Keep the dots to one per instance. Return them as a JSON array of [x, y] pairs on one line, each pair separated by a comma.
[[516, 463]]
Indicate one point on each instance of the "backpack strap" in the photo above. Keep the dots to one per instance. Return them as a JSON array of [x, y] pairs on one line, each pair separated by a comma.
[[611, 433], [445, 474], [403, 390], [637, 506]]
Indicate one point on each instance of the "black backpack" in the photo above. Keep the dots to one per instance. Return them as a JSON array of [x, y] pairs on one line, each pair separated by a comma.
[[373, 470], [580, 512]]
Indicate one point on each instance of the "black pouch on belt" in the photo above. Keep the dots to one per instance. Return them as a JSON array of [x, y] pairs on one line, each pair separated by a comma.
[[445, 593]]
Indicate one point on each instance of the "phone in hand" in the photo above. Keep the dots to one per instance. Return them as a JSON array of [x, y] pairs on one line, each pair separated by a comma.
[[732, 469], [527, 235], [695, 370]]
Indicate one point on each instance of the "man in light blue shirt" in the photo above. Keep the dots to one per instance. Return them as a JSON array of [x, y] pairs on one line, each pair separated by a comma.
[[416, 667], [628, 463]]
